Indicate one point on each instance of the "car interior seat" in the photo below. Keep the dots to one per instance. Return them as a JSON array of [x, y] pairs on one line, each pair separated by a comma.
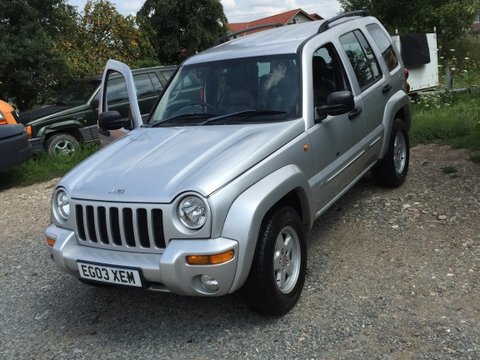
[[237, 97], [280, 94], [322, 86]]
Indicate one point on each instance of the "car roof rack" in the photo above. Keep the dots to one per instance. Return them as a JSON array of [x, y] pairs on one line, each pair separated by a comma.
[[326, 24], [232, 35]]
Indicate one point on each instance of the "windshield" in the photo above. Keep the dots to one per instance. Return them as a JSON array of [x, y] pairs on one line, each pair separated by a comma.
[[259, 89], [78, 93]]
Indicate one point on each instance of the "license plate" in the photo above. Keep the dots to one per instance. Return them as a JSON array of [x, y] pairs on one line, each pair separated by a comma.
[[109, 274]]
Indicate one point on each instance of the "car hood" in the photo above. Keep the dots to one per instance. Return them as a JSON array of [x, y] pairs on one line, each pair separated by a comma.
[[157, 164], [28, 116]]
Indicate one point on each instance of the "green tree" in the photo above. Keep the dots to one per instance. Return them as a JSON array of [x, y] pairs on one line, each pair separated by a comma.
[[179, 29], [449, 17], [30, 63], [103, 33]]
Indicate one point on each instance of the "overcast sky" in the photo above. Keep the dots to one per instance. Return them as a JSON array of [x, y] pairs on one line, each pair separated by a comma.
[[242, 10]]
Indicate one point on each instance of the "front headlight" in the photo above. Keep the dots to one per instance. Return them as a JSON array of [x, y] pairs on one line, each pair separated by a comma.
[[192, 212], [61, 205]]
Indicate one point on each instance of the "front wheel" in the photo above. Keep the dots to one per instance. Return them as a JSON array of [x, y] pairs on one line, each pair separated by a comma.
[[392, 170], [277, 274], [61, 144]]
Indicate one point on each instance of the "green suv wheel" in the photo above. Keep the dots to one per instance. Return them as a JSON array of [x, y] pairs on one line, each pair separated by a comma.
[[61, 144]]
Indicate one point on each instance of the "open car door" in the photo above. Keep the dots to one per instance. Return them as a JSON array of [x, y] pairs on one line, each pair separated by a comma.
[[118, 87]]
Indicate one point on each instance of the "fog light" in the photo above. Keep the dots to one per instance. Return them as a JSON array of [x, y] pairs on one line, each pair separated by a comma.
[[50, 241], [209, 283]]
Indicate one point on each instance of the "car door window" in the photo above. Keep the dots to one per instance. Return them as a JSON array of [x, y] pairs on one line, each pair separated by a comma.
[[158, 87], [144, 85], [328, 74], [117, 90], [362, 58], [384, 44]]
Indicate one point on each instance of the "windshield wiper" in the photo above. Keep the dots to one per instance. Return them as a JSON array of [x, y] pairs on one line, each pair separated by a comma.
[[245, 114], [189, 116]]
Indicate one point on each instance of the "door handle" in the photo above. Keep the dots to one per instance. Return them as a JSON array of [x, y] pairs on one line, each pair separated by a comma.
[[386, 88], [354, 113]]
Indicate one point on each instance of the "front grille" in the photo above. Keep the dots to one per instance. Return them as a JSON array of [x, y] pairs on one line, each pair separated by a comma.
[[120, 227]]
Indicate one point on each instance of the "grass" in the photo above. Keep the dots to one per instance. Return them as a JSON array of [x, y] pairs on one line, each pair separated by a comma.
[[43, 168], [452, 119]]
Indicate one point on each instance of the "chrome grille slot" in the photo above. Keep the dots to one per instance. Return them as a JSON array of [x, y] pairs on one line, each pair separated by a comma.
[[120, 227], [158, 228], [128, 227], [92, 234], [102, 224], [115, 226], [80, 223], [142, 222]]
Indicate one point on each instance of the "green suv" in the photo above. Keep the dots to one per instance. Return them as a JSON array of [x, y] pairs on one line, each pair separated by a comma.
[[72, 119]]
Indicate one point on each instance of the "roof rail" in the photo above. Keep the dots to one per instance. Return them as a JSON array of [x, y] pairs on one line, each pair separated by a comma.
[[325, 25], [232, 35]]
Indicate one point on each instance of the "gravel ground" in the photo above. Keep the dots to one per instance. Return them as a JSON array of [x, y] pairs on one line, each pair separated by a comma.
[[392, 274]]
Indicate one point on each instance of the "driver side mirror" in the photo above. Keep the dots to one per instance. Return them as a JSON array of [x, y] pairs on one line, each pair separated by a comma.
[[338, 103], [112, 120]]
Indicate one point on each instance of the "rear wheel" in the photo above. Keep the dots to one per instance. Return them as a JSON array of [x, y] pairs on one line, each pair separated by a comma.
[[61, 144], [277, 274], [392, 170]]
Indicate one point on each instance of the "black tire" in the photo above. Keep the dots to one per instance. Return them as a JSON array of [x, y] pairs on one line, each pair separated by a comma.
[[61, 144], [281, 248], [392, 170]]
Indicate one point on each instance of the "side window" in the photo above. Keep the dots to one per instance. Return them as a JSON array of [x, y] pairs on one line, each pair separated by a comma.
[[158, 87], [328, 74], [117, 90], [167, 74], [144, 85], [384, 44], [362, 58]]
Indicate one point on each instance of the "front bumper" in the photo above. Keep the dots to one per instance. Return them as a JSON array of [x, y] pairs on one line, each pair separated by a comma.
[[37, 144], [167, 272]]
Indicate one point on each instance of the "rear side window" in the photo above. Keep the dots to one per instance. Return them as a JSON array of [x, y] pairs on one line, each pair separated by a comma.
[[384, 44], [144, 85], [167, 74], [156, 82], [362, 58]]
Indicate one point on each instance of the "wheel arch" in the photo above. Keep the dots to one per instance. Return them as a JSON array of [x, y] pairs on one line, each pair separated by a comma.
[[286, 186], [71, 128], [397, 107]]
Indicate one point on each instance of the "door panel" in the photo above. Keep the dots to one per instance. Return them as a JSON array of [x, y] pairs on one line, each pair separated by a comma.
[[336, 139]]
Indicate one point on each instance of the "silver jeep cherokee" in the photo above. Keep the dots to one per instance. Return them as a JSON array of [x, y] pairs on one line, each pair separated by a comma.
[[251, 141]]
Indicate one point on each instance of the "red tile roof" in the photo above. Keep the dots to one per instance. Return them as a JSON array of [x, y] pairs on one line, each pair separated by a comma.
[[282, 18]]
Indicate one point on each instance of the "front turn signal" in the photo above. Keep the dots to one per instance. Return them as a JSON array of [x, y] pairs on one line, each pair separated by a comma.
[[214, 259], [50, 241]]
